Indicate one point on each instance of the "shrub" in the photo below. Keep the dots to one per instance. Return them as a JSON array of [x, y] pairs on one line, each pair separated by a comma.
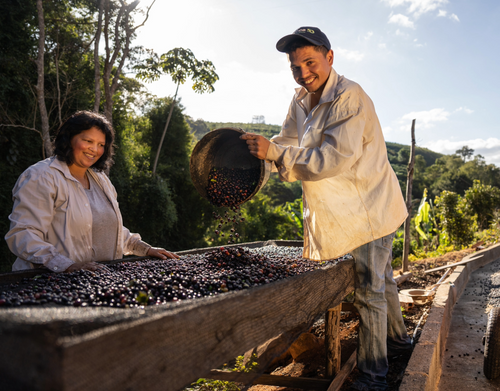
[[481, 201], [455, 222]]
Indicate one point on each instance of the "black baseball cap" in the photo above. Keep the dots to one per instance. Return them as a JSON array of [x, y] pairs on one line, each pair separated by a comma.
[[311, 34]]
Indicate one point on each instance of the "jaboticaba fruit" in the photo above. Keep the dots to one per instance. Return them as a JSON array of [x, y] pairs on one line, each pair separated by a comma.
[[231, 186], [154, 281]]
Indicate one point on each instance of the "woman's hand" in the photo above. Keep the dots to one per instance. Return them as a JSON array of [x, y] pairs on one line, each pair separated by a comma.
[[257, 144], [161, 253], [90, 266]]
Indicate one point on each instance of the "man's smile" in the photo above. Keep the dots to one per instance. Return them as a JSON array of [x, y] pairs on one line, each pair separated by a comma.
[[309, 80]]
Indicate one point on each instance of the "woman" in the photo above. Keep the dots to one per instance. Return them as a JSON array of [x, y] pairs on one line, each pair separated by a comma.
[[65, 215]]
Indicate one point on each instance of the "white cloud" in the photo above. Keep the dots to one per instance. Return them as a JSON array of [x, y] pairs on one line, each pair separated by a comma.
[[387, 130], [454, 17], [442, 13], [368, 35], [417, 7], [418, 45], [382, 46], [425, 119], [401, 20], [401, 33], [465, 109], [352, 55], [489, 148]]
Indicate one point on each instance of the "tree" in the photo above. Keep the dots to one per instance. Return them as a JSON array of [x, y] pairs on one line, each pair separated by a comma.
[[454, 220], [465, 152], [482, 201], [180, 64], [40, 88], [97, 66], [119, 32], [194, 213]]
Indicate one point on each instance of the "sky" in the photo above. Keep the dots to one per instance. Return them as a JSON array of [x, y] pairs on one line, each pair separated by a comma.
[[436, 61]]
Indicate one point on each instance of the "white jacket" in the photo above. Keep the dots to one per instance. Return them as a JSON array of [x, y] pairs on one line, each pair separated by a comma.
[[350, 191], [51, 221]]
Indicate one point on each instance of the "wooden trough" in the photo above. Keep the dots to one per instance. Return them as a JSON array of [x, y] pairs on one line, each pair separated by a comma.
[[159, 347]]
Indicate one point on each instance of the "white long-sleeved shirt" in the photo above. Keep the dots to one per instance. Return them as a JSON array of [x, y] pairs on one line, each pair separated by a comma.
[[351, 194], [51, 220]]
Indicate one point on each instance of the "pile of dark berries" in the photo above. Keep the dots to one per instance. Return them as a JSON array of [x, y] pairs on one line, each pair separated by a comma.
[[231, 186], [154, 282]]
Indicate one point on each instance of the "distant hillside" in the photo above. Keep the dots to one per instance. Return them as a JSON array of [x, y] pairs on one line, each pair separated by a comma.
[[393, 151], [267, 131]]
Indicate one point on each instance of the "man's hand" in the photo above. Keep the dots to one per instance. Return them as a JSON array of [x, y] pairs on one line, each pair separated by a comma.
[[161, 253], [257, 144]]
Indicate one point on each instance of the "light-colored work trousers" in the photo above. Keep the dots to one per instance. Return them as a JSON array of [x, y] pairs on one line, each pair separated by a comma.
[[381, 324]]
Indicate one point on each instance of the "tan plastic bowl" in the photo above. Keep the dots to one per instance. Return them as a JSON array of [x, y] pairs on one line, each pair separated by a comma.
[[419, 296]]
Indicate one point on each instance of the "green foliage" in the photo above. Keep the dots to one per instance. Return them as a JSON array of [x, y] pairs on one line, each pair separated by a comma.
[[221, 385], [296, 211], [19, 149], [198, 128], [482, 201], [465, 152], [425, 222], [396, 156], [422, 220], [398, 244], [148, 207], [180, 64], [213, 385], [281, 192], [262, 222], [193, 211], [456, 224]]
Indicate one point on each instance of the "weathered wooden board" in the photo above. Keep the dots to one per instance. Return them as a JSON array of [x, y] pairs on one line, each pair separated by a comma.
[[332, 341], [344, 372], [160, 348]]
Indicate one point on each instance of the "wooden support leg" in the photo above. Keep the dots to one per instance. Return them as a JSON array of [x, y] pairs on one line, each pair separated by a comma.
[[332, 341]]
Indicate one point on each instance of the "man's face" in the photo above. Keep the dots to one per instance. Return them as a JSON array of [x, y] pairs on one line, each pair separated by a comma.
[[310, 67]]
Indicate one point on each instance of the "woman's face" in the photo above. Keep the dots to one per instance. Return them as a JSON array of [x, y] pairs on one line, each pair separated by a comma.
[[88, 147]]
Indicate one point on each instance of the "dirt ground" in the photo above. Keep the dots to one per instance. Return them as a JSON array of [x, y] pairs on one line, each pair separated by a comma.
[[312, 363]]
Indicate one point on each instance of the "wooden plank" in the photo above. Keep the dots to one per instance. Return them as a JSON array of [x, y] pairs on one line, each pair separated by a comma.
[[344, 372], [409, 185], [305, 383], [332, 341], [402, 278], [171, 347], [463, 262]]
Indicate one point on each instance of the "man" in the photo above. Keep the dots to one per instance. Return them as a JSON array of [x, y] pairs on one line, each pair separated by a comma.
[[331, 140]]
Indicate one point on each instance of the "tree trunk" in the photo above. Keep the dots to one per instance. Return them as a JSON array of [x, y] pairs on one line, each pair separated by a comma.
[[165, 130], [409, 185], [40, 85], [59, 106], [97, 66], [120, 48]]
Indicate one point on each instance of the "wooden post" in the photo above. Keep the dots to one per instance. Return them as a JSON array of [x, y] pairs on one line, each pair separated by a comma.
[[332, 341], [409, 184]]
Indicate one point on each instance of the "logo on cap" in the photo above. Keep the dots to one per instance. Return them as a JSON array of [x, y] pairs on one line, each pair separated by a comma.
[[310, 31]]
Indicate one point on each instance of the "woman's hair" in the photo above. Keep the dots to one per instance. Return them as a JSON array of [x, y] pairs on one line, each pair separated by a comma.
[[77, 123]]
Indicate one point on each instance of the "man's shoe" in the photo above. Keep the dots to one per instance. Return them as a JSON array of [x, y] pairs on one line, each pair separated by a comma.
[[393, 353]]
